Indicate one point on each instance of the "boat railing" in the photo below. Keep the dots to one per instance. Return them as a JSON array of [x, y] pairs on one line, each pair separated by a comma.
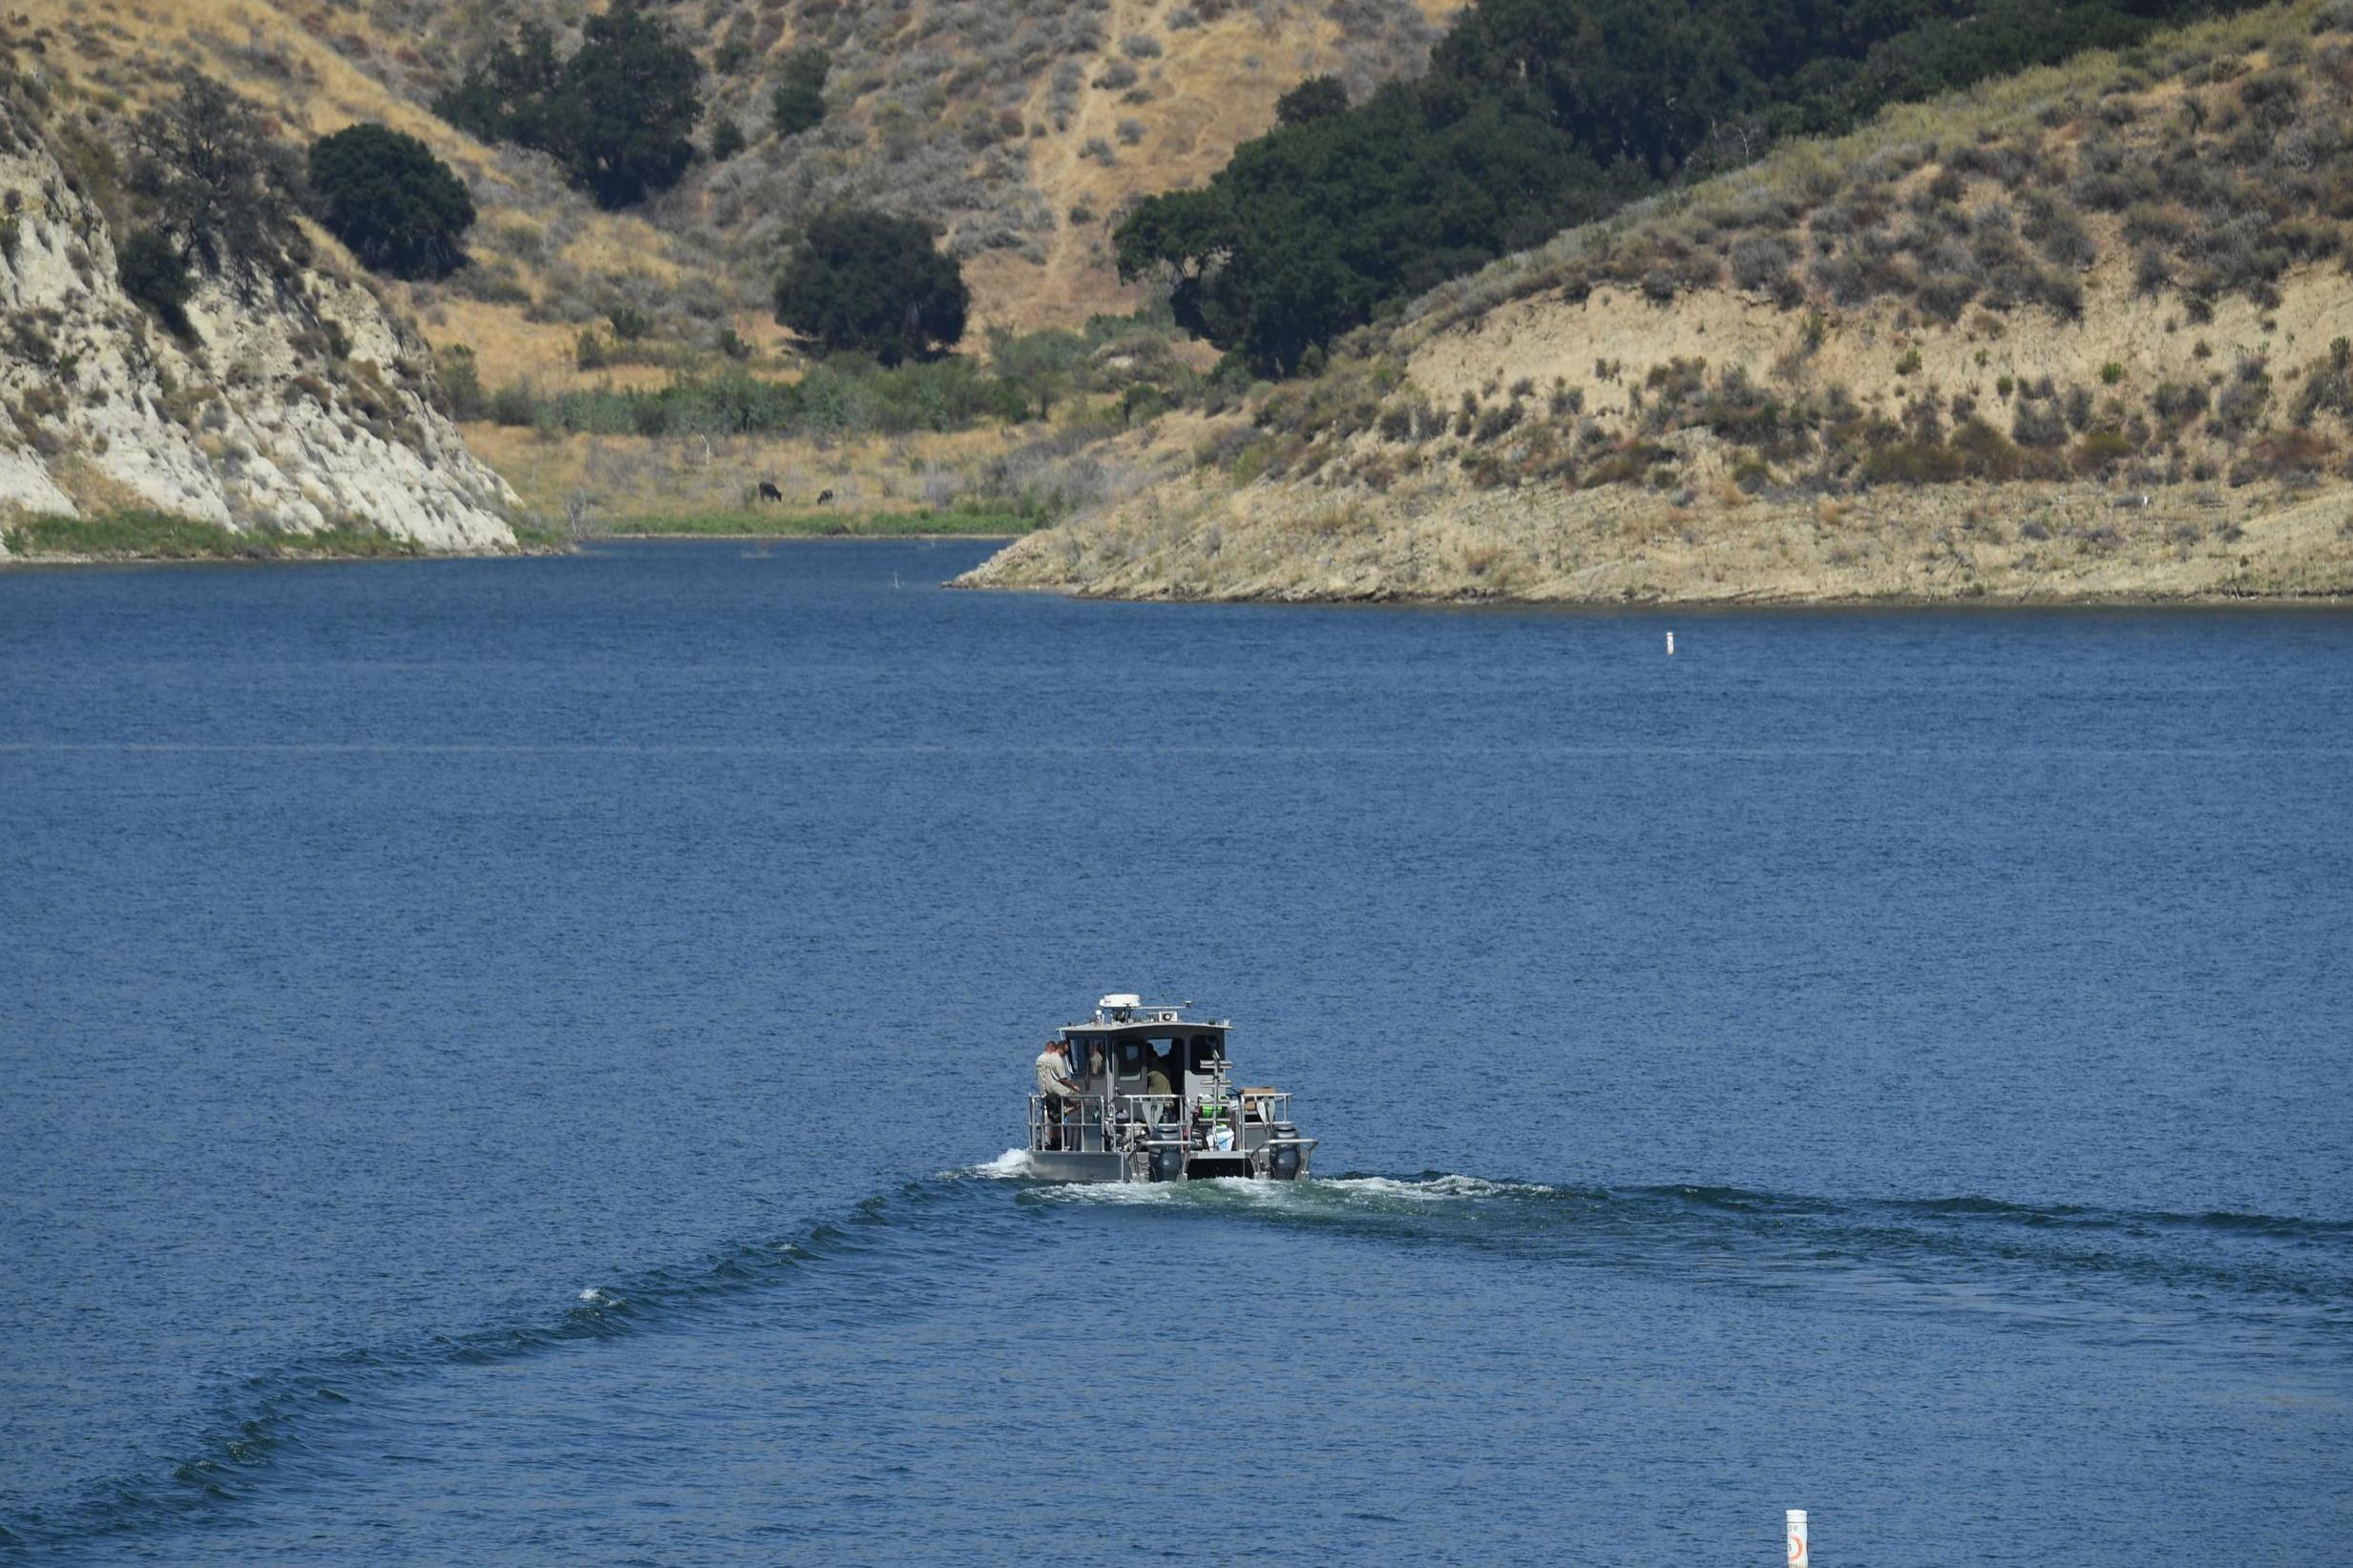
[[1268, 1105], [1087, 1126], [1080, 1126], [1169, 1113], [1153, 1110]]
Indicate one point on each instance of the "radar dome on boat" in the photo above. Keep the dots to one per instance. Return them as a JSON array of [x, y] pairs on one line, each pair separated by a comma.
[[1121, 999]]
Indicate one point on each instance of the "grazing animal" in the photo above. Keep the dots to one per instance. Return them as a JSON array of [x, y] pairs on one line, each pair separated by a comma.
[[825, 497], [769, 491]]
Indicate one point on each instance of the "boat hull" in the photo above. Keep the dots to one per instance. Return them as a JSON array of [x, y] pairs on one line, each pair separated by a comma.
[[1075, 1165]]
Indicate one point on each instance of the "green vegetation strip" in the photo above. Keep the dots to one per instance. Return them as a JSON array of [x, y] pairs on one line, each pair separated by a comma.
[[1538, 115], [795, 525], [155, 535]]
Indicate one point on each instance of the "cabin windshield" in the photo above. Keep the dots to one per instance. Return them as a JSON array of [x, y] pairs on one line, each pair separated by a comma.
[[1135, 1060], [1202, 1050]]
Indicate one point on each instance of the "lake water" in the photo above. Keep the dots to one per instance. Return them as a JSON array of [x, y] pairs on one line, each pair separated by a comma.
[[503, 1061]]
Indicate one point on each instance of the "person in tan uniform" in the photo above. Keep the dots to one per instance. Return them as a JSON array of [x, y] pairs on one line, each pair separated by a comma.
[[1056, 1088]]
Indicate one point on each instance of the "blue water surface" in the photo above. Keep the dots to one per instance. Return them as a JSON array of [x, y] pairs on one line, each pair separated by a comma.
[[506, 1061]]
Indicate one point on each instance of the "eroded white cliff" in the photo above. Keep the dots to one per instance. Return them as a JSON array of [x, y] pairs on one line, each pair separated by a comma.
[[296, 403]]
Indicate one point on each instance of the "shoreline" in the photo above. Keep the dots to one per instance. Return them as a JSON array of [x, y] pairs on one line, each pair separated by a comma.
[[535, 545], [2025, 543], [59, 560], [1726, 604], [1379, 599], [793, 538]]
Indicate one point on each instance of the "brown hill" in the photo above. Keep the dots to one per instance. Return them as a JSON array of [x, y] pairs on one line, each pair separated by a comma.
[[2079, 332], [1020, 129]]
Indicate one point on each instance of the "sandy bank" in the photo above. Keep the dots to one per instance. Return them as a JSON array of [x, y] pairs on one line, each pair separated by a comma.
[[2072, 543]]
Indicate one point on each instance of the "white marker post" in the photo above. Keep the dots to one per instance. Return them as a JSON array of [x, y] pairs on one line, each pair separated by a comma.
[[1671, 645], [1797, 1540]]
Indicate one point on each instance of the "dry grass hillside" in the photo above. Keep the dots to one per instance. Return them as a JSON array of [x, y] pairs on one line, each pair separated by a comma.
[[2082, 332], [1020, 129]]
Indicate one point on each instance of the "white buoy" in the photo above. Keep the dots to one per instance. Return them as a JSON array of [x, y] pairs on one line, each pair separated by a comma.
[[1671, 645], [1797, 1538]]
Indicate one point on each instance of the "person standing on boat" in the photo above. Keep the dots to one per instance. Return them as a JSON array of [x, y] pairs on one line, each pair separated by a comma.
[[1156, 1084], [1055, 1090]]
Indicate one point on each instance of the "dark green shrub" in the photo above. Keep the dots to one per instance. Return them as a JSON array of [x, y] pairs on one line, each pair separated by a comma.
[[1740, 411], [1316, 98], [460, 381], [727, 140], [1761, 261], [2270, 100], [616, 114], [798, 104], [632, 95], [2058, 233], [863, 281], [2177, 403], [1946, 295], [2062, 293], [1539, 113], [1985, 452], [2078, 407], [2240, 406], [2287, 454], [2328, 385], [1141, 402], [1495, 422], [154, 273], [513, 405], [384, 193], [1912, 463], [2038, 424], [2100, 450], [217, 185], [1041, 366]]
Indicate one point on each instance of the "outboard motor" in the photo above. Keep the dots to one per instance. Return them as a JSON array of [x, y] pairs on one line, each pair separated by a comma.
[[1167, 1165], [1283, 1157]]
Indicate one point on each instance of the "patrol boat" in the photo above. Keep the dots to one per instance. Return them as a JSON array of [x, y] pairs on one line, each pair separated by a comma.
[[1157, 1103]]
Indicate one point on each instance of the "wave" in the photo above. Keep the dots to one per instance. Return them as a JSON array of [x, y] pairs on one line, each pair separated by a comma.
[[1890, 1252], [268, 1416], [2126, 1267], [1429, 1187], [1012, 1165]]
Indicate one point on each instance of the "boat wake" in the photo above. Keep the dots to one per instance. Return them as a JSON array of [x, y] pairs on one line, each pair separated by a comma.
[[1012, 1165], [2237, 1284], [2243, 1283]]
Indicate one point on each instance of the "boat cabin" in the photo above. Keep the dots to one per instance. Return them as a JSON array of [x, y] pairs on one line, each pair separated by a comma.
[[1156, 1102]]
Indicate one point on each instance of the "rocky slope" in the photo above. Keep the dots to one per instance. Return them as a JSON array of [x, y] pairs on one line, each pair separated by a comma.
[[292, 406], [1020, 129], [2082, 333]]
